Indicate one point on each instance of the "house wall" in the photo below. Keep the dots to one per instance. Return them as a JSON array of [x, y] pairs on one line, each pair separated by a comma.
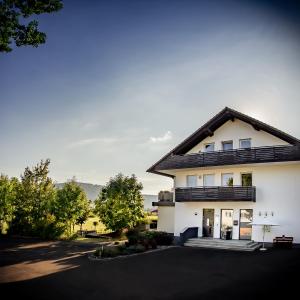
[[235, 131], [166, 219], [277, 192]]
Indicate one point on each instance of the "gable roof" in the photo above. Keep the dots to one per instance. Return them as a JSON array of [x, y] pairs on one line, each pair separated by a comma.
[[213, 124]]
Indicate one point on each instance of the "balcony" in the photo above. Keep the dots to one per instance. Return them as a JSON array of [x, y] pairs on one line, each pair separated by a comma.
[[215, 193], [165, 198], [231, 157]]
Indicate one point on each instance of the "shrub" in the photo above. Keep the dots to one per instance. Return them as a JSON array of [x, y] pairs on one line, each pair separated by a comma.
[[162, 238], [107, 252], [133, 236]]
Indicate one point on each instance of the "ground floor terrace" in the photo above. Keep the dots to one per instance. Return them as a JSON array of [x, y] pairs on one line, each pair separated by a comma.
[[35, 269]]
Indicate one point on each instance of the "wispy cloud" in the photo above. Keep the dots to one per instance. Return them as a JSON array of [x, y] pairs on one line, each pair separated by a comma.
[[86, 142], [161, 139]]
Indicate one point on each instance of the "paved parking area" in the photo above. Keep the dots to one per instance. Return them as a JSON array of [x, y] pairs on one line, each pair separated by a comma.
[[58, 270]]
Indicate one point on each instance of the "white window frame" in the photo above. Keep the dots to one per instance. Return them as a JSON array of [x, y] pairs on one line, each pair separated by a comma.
[[224, 142], [240, 143], [187, 180], [212, 143], [226, 174], [208, 175]]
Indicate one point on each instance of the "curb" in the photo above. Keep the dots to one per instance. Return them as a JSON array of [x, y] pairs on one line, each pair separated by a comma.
[[92, 257]]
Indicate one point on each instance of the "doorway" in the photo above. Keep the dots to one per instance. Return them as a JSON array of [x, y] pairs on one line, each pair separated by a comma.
[[208, 222], [246, 217], [226, 224]]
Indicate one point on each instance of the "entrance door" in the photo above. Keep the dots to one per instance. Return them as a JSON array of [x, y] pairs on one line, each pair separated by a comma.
[[246, 217], [208, 222], [226, 223]]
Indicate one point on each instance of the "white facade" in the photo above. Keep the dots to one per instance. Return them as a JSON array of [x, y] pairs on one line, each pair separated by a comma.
[[166, 219], [277, 200], [277, 188], [236, 131]]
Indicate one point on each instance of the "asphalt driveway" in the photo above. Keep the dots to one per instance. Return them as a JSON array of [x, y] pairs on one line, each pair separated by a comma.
[[56, 270]]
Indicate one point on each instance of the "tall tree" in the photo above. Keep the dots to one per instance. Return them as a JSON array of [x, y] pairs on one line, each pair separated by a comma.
[[120, 203], [34, 200], [14, 11], [71, 204], [8, 192]]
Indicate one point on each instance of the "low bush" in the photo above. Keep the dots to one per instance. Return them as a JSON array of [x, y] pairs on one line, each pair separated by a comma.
[[107, 252], [149, 238], [162, 238]]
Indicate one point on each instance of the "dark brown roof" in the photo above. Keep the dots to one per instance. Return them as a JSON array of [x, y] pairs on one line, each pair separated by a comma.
[[213, 124]]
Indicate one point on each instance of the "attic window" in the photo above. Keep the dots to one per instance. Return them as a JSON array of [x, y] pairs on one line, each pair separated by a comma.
[[245, 143], [209, 147]]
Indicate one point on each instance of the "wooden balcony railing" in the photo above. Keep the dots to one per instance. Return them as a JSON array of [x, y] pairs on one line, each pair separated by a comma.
[[231, 157], [215, 193]]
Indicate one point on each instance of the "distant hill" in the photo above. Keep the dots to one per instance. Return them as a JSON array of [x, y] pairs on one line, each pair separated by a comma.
[[92, 191]]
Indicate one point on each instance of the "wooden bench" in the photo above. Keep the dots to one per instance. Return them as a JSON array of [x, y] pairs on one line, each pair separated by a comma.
[[283, 241]]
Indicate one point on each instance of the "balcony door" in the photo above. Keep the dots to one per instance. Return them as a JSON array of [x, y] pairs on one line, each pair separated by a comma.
[[227, 179], [208, 179], [246, 216], [191, 181], [208, 222]]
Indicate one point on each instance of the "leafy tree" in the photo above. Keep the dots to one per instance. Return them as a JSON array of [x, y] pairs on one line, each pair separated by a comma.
[[120, 203], [8, 192], [12, 11], [95, 223], [34, 201], [71, 204], [86, 210]]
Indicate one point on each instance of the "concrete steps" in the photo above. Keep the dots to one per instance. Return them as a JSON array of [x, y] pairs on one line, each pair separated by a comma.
[[235, 245]]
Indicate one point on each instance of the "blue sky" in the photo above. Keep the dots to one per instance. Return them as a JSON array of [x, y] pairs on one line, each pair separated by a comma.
[[119, 83]]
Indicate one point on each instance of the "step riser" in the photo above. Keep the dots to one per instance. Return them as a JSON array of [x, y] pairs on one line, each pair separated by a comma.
[[234, 245]]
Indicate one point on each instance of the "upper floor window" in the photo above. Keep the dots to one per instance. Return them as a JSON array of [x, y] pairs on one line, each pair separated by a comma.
[[209, 147], [245, 143], [227, 179], [228, 145], [209, 179], [246, 179], [191, 180]]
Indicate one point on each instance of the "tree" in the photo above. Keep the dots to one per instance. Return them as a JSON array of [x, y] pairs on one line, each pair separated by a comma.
[[120, 203], [11, 11], [71, 204], [86, 210], [8, 192], [34, 201], [95, 223]]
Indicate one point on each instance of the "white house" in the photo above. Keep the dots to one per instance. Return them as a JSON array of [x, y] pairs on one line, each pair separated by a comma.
[[232, 172]]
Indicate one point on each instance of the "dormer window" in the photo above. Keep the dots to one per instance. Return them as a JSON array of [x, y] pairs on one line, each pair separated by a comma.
[[209, 147], [245, 143], [228, 145]]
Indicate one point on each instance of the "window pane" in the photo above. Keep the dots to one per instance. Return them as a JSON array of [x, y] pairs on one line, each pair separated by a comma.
[[210, 147], [191, 180], [227, 145], [246, 143], [227, 179], [209, 180], [247, 179]]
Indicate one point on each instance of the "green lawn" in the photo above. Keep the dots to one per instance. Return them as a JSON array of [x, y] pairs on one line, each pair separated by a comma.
[[88, 225]]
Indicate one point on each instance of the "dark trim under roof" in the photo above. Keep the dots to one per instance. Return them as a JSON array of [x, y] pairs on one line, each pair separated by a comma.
[[213, 124]]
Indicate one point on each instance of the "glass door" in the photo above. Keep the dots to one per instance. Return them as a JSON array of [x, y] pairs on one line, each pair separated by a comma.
[[208, 222], [246, 217], [226, 224]]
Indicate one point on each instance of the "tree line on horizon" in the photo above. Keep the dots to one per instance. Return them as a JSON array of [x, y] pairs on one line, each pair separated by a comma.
[[33, 206]]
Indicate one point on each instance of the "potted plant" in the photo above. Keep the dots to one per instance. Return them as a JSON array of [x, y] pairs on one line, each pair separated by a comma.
[[228, 233]]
